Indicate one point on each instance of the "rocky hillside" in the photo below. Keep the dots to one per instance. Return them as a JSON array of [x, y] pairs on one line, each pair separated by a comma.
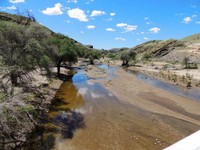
[[158, 48], [192, 39], [167, 50]]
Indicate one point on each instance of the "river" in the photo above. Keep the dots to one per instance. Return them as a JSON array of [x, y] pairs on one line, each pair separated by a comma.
[[86, 116]]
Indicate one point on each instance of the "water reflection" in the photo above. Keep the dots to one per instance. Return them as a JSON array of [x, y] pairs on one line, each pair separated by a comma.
[[62, 120], [72, 101], [79, 78]]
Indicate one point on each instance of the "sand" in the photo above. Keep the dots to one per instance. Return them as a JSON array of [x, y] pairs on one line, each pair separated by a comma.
[[132, 116], [128, 88], [138, 116]]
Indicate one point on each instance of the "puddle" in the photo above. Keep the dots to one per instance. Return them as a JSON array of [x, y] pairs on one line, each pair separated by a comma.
[[189, 93]]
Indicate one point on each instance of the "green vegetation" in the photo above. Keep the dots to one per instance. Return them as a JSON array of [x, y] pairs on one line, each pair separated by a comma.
[[192, 39], [189, 65], [26, 46], [146, 57], [21, 49], [126, 57], [61, 50], [92, 55]]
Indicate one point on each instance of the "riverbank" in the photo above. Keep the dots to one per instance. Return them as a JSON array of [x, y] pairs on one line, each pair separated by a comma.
[[185, 78]]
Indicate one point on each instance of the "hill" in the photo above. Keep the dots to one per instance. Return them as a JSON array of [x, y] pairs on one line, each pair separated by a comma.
[[170, 50], [157, 48], [195, 38]]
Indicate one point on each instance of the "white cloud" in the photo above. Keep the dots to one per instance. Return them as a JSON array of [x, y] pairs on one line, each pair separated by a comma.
[[146, 18], [146, 38], [130, 28], [16, 1], [11, 7], [72, 1], [121, 25], [90, 27], [68, 21], [90, 1], [97, 13], [127, 27], [187, 20], [82, 32], [194, 16], [120, 39], [77, 13], [110, 29], [149, 23], [112, 14], [95, 95], [154, 30], [56, 10], [83, 91]]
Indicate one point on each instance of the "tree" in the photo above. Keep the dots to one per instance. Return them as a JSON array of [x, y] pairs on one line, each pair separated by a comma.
[[186, 62], [21, 50], [126, 57], [92, 55], [62, 50]]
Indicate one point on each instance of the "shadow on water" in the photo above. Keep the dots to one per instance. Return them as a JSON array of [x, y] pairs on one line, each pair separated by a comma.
[[70, 122], [62, 127], [62, 120]]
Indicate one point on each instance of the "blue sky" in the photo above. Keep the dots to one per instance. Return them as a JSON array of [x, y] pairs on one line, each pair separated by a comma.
[[109, 24]]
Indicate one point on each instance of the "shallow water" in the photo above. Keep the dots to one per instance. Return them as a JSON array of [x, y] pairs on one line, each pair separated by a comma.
[[73, 99], [189, 93], [85, 116]]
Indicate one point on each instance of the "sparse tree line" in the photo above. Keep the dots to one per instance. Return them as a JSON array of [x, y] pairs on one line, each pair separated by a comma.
[[23, 49]]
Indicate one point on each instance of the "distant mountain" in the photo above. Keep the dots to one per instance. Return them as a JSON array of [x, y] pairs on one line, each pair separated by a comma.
[[157, 48], [116, 50]]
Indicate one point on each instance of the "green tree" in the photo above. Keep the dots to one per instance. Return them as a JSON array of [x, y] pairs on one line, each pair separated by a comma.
[[92, 55], [126, 57], [186, 62], [21, 49], [62, 50]]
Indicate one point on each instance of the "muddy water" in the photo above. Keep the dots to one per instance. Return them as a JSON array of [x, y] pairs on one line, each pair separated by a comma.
[[85, 116]]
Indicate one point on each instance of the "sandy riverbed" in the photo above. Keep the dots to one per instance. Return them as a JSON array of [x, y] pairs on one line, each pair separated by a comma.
[[139, 116], [130, 115]]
